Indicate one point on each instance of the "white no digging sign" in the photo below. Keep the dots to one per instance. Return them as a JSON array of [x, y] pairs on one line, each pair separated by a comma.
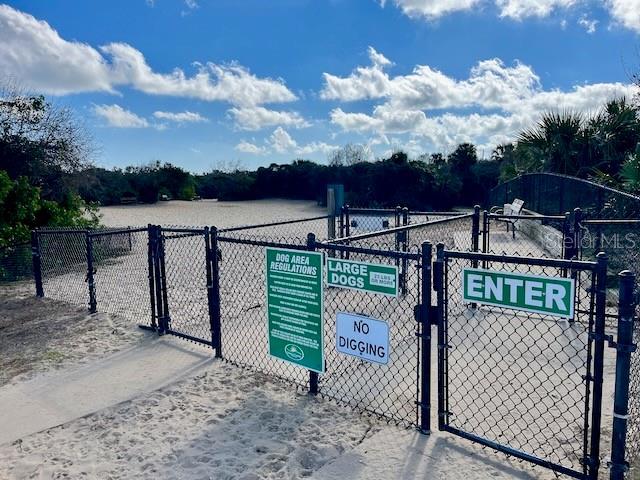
[[362, 337]]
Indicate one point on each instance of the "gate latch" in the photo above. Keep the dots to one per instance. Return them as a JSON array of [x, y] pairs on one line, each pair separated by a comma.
[[432, 313]]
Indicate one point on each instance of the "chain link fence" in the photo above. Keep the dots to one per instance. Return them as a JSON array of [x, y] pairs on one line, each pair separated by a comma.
[[517, 379], [554, 194], [15, 262]]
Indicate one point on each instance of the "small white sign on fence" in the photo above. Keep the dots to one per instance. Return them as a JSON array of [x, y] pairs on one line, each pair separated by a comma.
[[363, 337]]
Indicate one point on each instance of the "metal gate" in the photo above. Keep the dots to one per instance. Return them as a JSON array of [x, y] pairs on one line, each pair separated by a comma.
[[181, 283], [526, 384]]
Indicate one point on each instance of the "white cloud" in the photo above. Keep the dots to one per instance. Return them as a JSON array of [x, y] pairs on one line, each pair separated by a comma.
[[625, 12], [519, 9], [35, 55], [247, 147], [231, 83], [588, 24], [116, 116], [432, 9], [191, 4], [281, 141], [490, 83], [506, 99], [181, 117], [256, 118]]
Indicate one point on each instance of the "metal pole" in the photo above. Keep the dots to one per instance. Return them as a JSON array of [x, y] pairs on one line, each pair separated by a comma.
[[158, 279], [598, 363], [313, 376], [425, 340], [438, 286], [90, 280], [575, 251], [475, 231], [163, 283], [485, 235], [405, 248], [216, 320], [151, 247], [625, 346], [347, 226], [36, 262]]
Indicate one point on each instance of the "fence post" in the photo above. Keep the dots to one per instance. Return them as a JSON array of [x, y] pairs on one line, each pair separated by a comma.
[[165, 319], [438, 286], [158, 280], [577, 219], [37, 262], [625, 346], [485, 235], [425, 339], [313, 376], [90, 279], [475, 230], [347, 227], [213, 291], [405, 248], [151, 249], [598, 363]]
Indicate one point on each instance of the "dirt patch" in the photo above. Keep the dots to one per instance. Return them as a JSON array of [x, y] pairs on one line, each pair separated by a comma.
[[38, 334]]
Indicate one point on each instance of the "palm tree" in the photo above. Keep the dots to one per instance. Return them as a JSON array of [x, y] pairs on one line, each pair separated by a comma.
[[558, 139]]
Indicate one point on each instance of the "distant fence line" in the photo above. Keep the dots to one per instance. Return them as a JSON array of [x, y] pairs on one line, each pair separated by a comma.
[[555, 194]]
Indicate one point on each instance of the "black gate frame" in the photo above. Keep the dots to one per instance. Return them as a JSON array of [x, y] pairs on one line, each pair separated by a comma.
[[161, 316], [597, 337]]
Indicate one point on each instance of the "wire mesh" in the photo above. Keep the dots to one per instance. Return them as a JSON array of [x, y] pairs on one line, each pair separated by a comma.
[[553, 194], [64, 265], [524, 237], [243, 309], [121, 274], [633, 424], [518, 378], [319, 226], [15, 262], [185, 269], [389, 391]]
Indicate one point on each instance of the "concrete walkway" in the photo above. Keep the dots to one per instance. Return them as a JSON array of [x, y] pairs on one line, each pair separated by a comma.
[[56, 398]]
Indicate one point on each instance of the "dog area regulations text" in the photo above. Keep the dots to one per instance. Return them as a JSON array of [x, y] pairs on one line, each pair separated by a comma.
[[530, 293], [295, 310]]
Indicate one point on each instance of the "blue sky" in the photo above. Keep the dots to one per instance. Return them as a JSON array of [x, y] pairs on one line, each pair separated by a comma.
[[214, 83]]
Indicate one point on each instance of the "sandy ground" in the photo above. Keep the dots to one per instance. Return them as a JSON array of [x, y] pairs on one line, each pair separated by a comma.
[[222, 422], [40, 334], [210, 212]]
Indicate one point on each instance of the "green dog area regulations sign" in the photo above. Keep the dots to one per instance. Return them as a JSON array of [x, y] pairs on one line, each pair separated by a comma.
[[367, 277], [529, 293], [295, 310]]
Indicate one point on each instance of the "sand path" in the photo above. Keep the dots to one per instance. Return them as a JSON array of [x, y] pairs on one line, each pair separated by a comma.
[[60, 397]]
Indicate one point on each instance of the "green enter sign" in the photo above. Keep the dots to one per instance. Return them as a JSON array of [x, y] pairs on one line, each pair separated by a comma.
[[295, 311], [529, 293], [367, 277]]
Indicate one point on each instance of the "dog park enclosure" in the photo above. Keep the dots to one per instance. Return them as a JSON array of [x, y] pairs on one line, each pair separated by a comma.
[[525, 383]]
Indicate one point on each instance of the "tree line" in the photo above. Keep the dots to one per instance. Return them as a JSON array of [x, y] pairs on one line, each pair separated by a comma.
[[47, 179]]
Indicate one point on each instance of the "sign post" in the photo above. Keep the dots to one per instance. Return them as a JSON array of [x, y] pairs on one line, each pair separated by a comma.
[[295, 310], [529, 293], [367, 277]]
